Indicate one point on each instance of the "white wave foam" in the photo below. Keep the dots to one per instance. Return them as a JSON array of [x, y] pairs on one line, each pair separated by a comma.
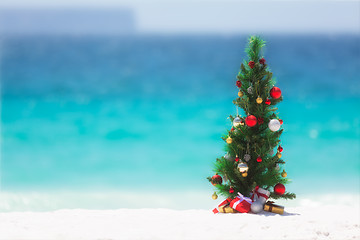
[[48, 201]]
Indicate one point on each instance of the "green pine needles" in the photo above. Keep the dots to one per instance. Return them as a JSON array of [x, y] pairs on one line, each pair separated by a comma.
[[252, 140]]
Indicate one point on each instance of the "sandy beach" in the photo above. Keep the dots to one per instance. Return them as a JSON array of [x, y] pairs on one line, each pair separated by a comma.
[[326, 222]]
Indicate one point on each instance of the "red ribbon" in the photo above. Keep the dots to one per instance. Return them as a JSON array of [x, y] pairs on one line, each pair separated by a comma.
[[255, 191]]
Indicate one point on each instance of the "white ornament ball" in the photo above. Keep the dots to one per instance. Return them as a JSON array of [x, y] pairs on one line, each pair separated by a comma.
[[256, 207], [228, 157], [274, 125], [247, 157], [236, 122]]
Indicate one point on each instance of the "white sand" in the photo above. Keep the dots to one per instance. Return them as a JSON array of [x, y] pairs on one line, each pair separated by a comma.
[[311, 222]]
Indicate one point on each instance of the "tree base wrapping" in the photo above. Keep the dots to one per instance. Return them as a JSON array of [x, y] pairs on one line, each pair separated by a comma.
[[242, 204]]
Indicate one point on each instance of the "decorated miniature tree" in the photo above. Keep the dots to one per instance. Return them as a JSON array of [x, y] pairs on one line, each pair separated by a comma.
[[251, 162]]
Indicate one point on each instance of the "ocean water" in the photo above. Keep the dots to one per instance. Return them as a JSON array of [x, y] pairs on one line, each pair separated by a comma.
[[145, 114]]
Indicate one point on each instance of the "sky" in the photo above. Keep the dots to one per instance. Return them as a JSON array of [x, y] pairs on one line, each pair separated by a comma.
[[218, 16]]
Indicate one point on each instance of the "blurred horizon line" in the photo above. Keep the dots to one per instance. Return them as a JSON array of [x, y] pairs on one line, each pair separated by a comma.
[[184, 18]]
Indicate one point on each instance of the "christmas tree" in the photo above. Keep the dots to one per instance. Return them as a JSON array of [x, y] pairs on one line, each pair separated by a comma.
[[251, 162]]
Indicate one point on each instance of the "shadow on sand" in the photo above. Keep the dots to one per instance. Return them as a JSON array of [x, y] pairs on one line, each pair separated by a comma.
[[264, 213]]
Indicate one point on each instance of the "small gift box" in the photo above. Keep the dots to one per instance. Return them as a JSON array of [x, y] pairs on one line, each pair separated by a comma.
[[259, 195], [241, 204], [271, 207], [224, 207], [227, 209]]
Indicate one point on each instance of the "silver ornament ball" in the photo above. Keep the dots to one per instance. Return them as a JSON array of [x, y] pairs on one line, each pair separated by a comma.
[[236, 122], [247, 157], [274, 125], [250, 90], [256, 207]]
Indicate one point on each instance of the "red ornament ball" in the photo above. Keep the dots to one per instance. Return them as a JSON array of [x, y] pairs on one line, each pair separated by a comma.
[[237, 159], [251, 64], [262, 61], [238, 84], [216, 179], [260, 120], [231, 190], [281, 121], [250, 121], [232, 129], [275, 92], [267, 102], [259, 159], [279, 189], [280, 148]]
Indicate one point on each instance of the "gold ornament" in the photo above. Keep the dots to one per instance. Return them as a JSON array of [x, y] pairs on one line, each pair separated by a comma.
[[229, 140], [283, 174], [242, 167], [240, 94], [278, 155], [244, 174], [214, 196], [259, 100]]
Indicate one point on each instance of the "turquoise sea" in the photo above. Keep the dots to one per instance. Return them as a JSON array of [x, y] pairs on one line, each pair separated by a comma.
[[145, 113]]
